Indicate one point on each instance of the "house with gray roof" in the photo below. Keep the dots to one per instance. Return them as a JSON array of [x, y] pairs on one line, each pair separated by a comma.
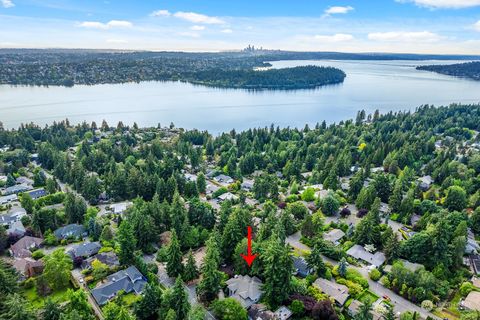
[[425, 182], [334, 236], [338, 292], [14, 215], [283, 313], [245, 289], [227, 196], [85, 250], [8, 199], [359, 253], [128, 280], [223, 179], [76, 231], [108, 258], [16, 229], [17, 189]]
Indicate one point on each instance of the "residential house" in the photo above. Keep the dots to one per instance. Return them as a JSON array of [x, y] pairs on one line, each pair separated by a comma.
[[338, 292], [475, 262], [283, 313], [8, 199], [260, 312], [247, 185], [37, 193], [211, 188], [28, 267], [85, 250], [16, 229], [359, 253], [471, 246], [14, 215], [17, 189], [24, 180], [75, 231], [334, 236], [22, 248], [190, 177], [413, 267], [108, 258], [120, 208], [301, 267], [376, 169], [425, 183], [472, 301], [245, 289], [223, 179], [227, 196], [128, 280]]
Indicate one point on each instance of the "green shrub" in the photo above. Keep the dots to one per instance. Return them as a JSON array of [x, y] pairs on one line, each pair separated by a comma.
[[38, 254], [375, 274]]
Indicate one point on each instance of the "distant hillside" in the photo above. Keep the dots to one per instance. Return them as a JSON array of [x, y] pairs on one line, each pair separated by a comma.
[[469, 70]]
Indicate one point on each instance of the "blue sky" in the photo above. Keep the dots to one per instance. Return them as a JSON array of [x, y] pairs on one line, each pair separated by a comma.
[[417, 26]]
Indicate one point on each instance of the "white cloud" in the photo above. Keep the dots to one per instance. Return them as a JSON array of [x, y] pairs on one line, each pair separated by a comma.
[[444, 4], [105, 26], [339, 37], [198, 18], [197, 28], [227, 31], [476, 26], [338, 10], [402, 36], [7, 3], [160, 13]]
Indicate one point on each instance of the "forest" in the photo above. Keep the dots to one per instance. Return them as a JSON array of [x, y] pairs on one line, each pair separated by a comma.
[[470, 70], [305, 184]]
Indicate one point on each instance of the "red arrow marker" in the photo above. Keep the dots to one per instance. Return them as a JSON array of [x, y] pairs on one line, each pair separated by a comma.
[[249, 257]]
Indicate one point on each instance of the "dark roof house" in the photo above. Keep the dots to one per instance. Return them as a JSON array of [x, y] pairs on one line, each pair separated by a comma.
[[301, 267], [129, 280], [37, 193], [85, 250], [70, 231], [108, 258], [260, 312]]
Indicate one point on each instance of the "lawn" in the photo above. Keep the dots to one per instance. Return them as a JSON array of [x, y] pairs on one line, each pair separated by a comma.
[[368, 297], [38, 301]]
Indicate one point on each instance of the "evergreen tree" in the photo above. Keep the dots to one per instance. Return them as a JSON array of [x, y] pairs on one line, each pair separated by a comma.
[[211, 277], [174, 257], [315, 261], [342, 267], [16, 308], [127, 243], [278, 270], [148, 306], [191, 272], [179, 299], [201, 183], [51, 310]]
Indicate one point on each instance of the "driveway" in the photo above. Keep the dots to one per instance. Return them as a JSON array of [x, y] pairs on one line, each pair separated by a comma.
[[77, 275]]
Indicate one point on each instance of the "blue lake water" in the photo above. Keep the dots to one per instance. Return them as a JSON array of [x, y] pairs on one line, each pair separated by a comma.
[[370, 85]]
